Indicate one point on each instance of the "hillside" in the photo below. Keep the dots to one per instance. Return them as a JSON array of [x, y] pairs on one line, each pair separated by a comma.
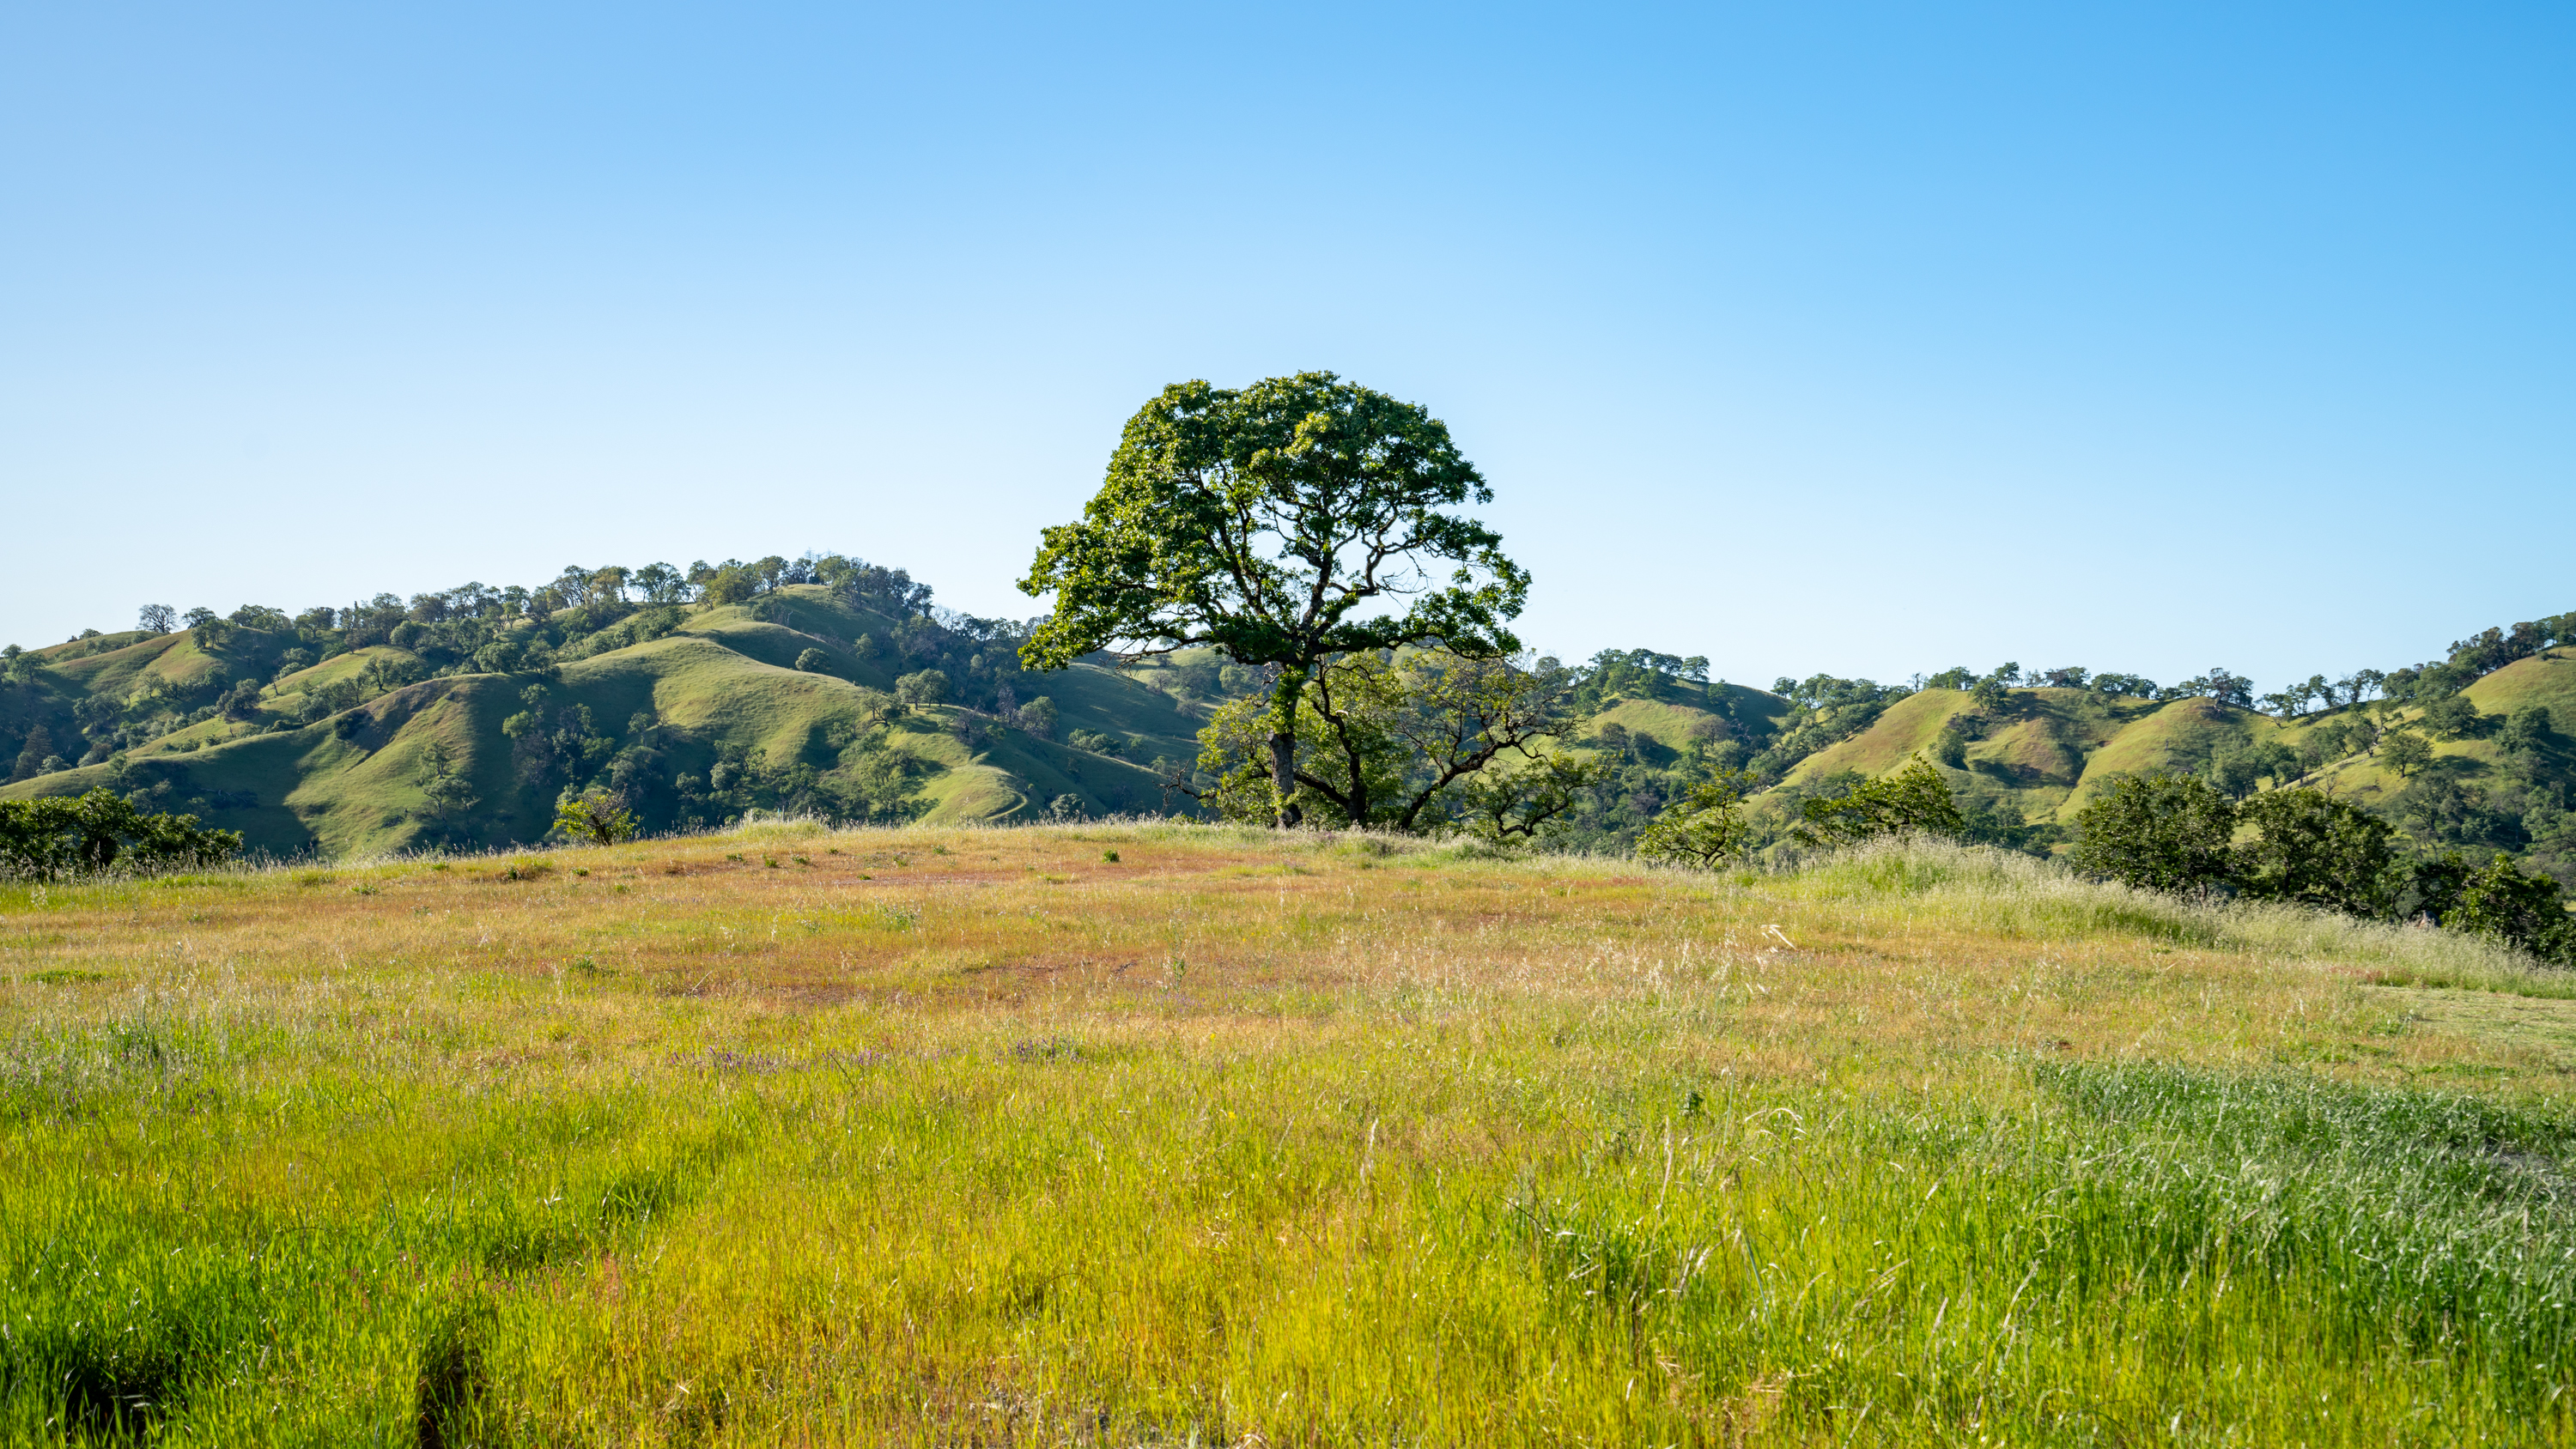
[[460, 719], [695, 714]]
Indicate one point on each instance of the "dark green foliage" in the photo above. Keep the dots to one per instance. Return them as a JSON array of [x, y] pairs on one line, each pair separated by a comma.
[[2502, 901], [551, 746], [2406, 752], [1986, 823], [1513, 807], [32, 757], [2453, 717], [2527, 732], [57, 836], [445, 788], [1268, 523], [814, 661], [1914, 799], [448, 1395], [2429, 886], [2240, 771], [2441, 808], [2315, 850], [2158, 832], [1705, 828], [2218, 684], [927, 687]]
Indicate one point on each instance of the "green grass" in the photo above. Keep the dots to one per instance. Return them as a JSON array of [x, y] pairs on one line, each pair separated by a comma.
[[1162, 1134]]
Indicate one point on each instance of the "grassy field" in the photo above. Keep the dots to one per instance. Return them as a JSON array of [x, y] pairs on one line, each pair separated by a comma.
[[1169, 1135]]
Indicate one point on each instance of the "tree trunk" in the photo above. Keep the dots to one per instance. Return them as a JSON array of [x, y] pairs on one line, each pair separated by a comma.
[[1283, 747]]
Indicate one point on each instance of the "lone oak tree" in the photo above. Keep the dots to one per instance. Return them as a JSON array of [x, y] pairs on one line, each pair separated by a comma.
[[1266, 522]]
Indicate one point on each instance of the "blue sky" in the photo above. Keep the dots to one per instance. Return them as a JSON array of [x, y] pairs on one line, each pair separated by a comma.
[[1853, 339]]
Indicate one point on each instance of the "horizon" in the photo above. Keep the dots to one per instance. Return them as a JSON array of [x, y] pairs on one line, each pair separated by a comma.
[[2028, 674]]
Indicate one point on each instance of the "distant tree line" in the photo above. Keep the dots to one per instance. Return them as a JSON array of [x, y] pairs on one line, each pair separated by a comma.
[[2179, 833], [60, 836]]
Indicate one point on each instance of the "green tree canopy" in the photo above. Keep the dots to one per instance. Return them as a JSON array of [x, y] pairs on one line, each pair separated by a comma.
[[2158, 832], [60, 836], [2508, 904], [2406, 752], [1277, 523], [594, 817], [1393, 742], [1913, 799], [2316, 850], [928, 687], [1704, 828]]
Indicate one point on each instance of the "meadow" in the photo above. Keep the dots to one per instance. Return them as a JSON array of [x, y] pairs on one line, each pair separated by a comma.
[[1158, 1134]]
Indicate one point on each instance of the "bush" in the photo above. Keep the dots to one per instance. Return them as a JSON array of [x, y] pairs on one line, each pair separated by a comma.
[[595, 817], [1703, 828], [813, 661], [2315, 850], [2159, 832], [2454, 717], [1912, 800], [2498, 901], [59, 836]]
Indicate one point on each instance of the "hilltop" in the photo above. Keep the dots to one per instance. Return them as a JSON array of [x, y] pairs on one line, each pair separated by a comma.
[[832, 687], [453, 721]]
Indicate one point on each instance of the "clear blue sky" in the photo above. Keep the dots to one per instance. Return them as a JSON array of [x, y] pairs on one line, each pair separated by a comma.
[[1863, 340]]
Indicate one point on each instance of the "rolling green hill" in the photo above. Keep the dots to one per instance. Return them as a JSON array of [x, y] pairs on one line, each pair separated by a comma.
[[831, 687], [706, 716]]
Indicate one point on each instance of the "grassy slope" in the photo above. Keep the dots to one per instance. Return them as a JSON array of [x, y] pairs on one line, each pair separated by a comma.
[[2036, 750], [318, 791], [2057, 748], [338, 667], [2178, 735], [724, 679], [1090, 697], [1674, 711], [120, 671], [1667, 723], [1909, 725], [1748, 703], [975, 1136], [2547, 681]]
